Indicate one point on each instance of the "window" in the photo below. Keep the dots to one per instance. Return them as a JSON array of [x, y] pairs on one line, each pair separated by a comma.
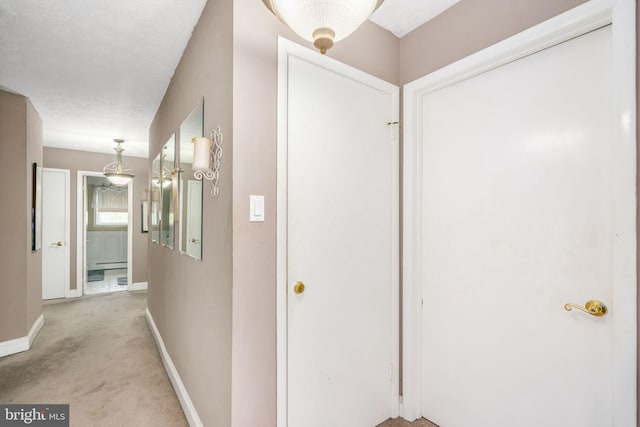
[[110, 207]]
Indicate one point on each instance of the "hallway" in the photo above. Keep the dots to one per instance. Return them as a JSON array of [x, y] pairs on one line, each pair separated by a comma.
[[96, 354]]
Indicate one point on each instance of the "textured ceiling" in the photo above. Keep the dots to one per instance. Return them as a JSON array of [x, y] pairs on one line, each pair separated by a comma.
[[403, 16], [94, 69], [97, 69]]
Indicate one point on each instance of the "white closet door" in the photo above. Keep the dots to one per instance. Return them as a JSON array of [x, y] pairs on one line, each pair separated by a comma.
[[342, 243], [518, 220], [55, 233]]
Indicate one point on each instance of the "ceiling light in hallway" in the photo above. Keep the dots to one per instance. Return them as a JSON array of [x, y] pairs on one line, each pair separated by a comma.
[[117, 172], [323, 22]]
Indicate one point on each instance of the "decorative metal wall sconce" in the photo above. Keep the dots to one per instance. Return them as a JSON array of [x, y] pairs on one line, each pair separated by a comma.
[[207, 156]]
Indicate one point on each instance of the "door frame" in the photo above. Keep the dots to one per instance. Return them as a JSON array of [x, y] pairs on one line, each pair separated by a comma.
[[578, 21], [81, 248], [188, 220], [286, 50], [68, 292]]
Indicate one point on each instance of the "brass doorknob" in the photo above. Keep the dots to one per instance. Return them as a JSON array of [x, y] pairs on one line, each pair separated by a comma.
[[298, 288], [593, 307]]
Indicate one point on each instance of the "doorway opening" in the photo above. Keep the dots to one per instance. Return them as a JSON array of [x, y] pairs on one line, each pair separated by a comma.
[[104, 235]]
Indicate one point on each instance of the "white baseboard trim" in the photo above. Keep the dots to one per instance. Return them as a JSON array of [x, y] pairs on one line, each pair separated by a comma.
[[71, 293], [21, 344], [183, 396], [35, 329], [140, 286]]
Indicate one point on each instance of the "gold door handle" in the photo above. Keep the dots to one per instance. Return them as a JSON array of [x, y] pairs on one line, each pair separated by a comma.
[[593, 307], [54, 244], [298, 288]]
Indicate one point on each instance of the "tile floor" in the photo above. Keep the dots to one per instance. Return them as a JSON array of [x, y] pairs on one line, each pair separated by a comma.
[[109, 284]]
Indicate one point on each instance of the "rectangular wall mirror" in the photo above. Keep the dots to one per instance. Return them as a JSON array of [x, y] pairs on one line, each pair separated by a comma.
[[190, 188], [168, 175], [155, 195], [36, 209]]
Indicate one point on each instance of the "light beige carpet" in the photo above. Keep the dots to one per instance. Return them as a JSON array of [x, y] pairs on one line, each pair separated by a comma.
[[96, 354]]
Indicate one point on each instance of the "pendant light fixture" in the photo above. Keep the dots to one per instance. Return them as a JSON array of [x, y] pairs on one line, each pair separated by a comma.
[[118, 172], [323, 22]]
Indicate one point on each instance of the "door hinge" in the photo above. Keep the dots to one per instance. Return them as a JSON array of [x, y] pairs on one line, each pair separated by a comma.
[[393, 129]]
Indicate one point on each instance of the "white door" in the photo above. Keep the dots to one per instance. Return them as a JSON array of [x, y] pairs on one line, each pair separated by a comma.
[[55, 233], [194, 219], [342, 244], [520, 192]]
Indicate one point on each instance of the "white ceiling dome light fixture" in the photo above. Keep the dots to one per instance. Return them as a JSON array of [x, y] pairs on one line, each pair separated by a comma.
[[323, 22], [117, 171]]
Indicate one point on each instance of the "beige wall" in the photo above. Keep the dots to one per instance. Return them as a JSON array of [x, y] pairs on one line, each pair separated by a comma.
[[190, 300], [34, 259], [21, 282], [75, 160]]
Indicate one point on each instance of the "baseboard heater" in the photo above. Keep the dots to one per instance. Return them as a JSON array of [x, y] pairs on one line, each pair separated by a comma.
[[108, 265]]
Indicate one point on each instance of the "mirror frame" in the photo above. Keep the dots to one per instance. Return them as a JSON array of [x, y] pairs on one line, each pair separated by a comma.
[[155, 195], [168, 178]]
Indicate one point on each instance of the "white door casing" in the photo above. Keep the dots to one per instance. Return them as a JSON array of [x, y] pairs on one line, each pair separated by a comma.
[[337, 216], [485, 251], [81, 223], [194, 219], [55, 233]]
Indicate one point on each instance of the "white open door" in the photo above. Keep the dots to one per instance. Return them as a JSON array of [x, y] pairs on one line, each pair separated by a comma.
[[338, 235], [55, 233], [521, 179]]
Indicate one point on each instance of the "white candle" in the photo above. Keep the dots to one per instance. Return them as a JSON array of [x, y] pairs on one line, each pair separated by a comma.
[[201, 153]]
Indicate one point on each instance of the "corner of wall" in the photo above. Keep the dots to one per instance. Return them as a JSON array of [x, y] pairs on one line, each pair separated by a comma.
[[20, 294], [190, 300], [34, 259]]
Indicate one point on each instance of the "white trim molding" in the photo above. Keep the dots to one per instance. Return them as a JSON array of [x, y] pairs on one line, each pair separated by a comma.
[[580, 20], [81, 250], [21, 344], [140, 286], [72, 293], [130, 283], [181, 391], [35, 329]]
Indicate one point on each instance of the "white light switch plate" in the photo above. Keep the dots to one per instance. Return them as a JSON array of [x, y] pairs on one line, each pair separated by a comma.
[[256, 208]]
